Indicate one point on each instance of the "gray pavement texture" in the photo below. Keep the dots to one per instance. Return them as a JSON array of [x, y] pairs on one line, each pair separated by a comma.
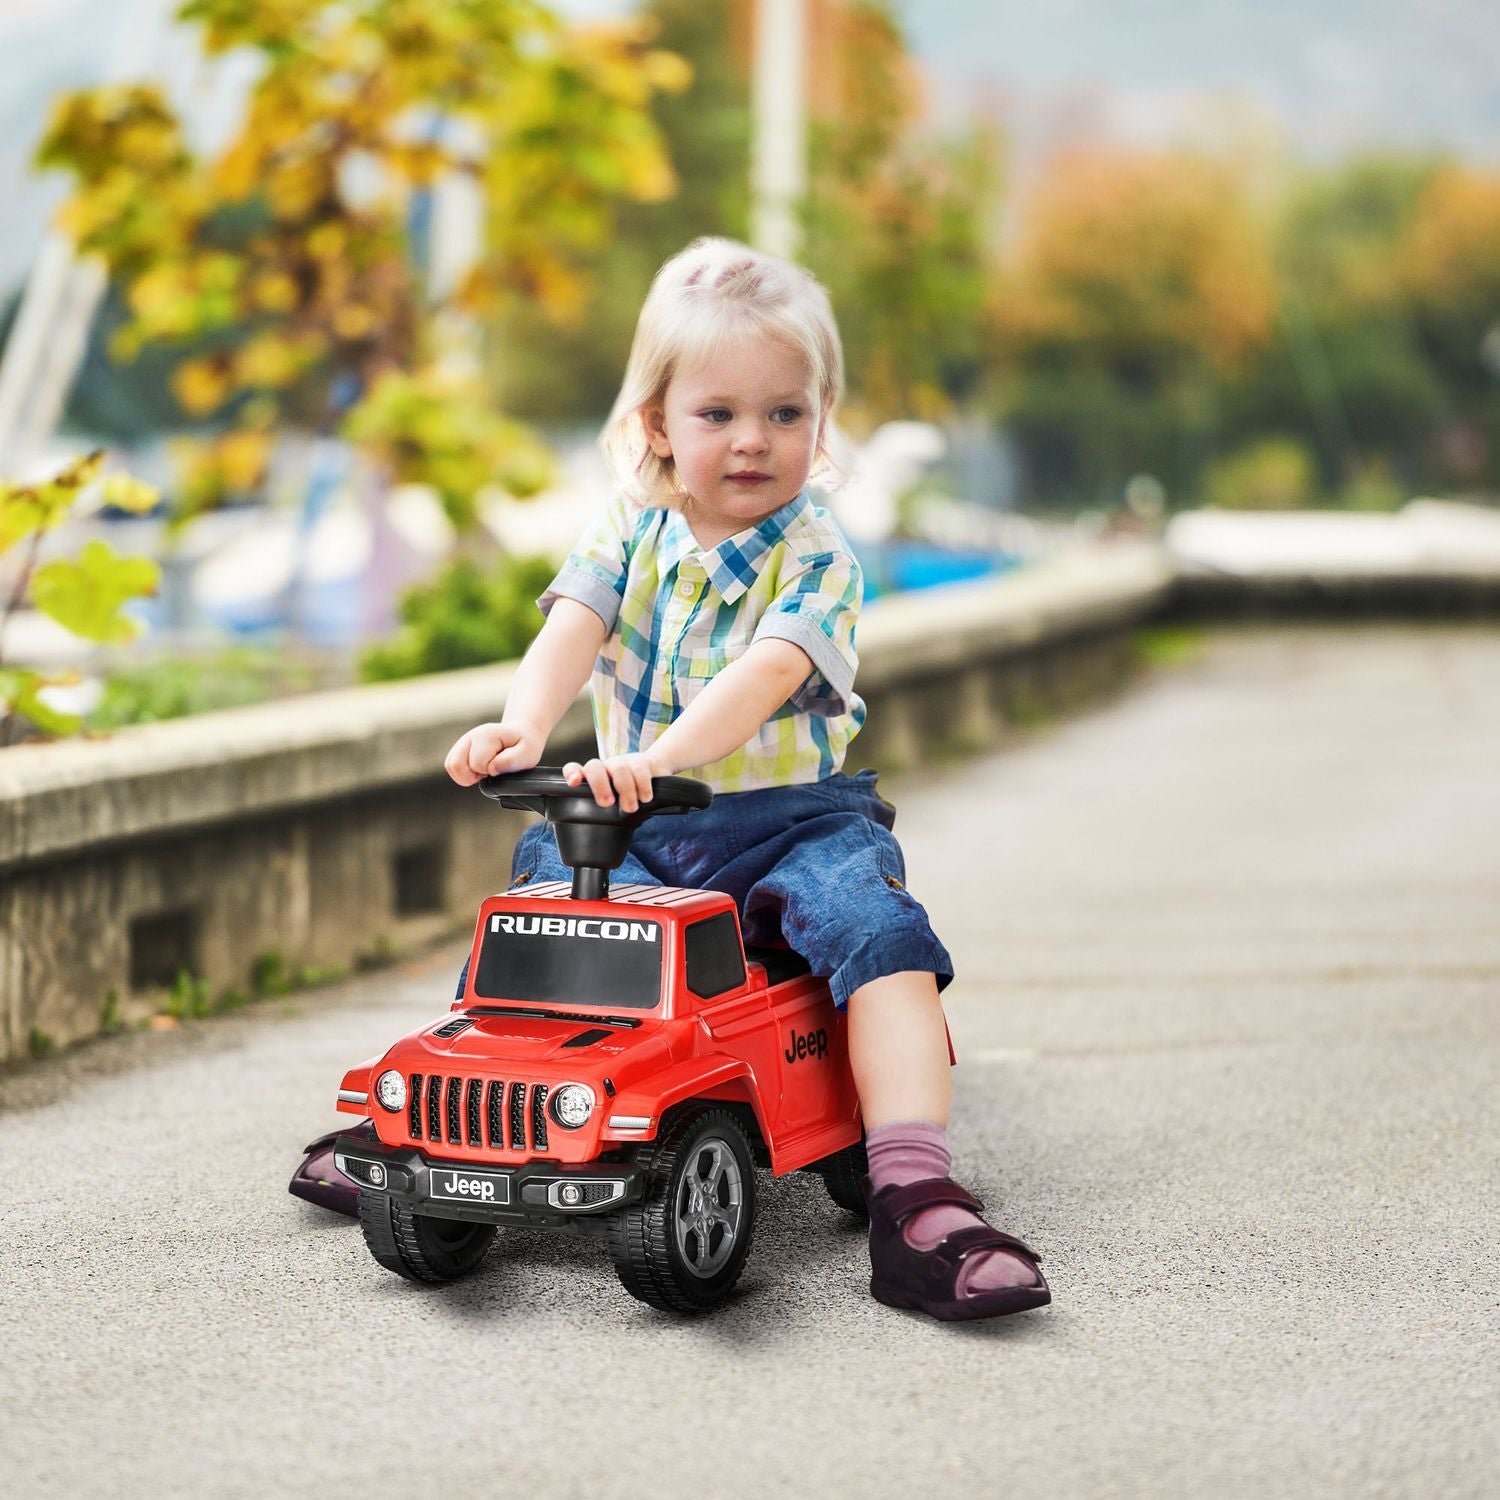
[[1229, 958]]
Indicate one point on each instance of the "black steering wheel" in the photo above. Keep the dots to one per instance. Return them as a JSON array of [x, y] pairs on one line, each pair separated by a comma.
[[592, 840]]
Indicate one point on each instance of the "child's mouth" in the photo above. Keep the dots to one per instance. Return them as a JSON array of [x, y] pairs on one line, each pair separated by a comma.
[[750, 478]]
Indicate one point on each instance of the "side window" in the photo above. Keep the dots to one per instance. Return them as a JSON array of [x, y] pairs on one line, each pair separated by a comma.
[[715, 960]]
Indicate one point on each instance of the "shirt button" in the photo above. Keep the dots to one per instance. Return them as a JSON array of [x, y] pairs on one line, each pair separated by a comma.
[[685, 589]]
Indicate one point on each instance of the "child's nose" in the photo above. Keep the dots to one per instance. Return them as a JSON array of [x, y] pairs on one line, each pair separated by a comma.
[[750, 437]]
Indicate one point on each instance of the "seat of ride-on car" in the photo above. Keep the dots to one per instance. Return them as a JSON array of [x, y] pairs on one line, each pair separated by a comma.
[[780, 963]]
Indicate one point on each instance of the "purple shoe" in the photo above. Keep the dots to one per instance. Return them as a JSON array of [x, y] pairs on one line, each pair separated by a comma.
[[927, 1280], [320, 1182]]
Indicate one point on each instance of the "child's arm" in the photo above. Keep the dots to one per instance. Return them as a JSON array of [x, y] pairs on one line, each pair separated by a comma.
[[555, 667], [717, 722]]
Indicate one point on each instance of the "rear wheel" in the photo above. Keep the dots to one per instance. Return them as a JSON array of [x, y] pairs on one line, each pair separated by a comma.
[[843, 1176], [682, 1248], [418, 1246]]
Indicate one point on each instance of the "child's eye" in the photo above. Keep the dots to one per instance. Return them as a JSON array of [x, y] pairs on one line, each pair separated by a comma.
[[716, 414], [785, 414]]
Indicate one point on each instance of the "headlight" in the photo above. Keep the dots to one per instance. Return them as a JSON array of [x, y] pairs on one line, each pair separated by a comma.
[[572, 1105], [390, 1089]]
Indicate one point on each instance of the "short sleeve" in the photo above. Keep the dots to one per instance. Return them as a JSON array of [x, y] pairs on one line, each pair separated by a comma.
[[595, 571], [816, 608]]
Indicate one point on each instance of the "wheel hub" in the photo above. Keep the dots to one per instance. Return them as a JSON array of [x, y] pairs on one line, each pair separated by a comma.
[[711, 1197]]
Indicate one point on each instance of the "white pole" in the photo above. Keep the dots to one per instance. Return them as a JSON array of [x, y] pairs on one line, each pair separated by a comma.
[[63, 291], [26, 353], [778, 173]]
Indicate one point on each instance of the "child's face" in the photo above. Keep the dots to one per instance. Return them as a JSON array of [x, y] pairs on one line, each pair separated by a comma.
[[742, 428]]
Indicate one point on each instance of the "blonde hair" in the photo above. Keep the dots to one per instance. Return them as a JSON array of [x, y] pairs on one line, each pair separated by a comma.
[[704, 296]]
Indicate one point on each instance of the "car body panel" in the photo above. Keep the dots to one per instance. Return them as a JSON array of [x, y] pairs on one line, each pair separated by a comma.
[[779, 1050]]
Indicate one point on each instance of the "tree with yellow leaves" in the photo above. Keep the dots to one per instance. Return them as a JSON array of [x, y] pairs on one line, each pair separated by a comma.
[[1137, 284], [897, 228], [1450, 267], [281, 266], [1149, 265]]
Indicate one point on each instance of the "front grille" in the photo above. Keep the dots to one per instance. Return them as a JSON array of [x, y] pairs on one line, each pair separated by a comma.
[[539, 1116], [478, 1112], [497, 1115], [474, 1087], [455, 1135]]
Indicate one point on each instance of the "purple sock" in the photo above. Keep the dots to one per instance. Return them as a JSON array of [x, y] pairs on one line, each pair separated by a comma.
[[909, 1150]]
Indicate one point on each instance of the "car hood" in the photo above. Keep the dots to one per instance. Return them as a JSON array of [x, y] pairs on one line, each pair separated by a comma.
[[497, 1043]]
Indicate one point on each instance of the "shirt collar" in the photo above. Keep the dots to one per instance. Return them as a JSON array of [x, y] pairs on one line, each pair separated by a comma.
[[734, 563]]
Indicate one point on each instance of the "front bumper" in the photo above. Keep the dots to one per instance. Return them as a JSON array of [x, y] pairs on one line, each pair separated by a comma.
[[537, 1193]]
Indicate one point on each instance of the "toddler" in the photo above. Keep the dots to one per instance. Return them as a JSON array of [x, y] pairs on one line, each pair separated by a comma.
[[715, 607]]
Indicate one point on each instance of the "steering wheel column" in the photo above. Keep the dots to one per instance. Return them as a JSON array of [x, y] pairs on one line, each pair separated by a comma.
[[591, 840]]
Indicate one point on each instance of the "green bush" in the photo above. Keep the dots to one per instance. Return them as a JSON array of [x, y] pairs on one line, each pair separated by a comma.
[[189, 997], [173, 688], [268, 975], [1373, 488], [464, 617], [1272, 474]]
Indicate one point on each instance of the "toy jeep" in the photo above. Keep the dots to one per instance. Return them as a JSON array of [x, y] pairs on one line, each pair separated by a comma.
[[618, 1064]]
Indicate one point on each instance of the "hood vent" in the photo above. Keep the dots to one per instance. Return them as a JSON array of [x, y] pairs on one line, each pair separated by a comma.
[[586, 1038], [453, 1027]]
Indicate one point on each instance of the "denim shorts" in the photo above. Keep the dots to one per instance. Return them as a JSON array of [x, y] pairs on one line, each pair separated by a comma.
[[814, 866]]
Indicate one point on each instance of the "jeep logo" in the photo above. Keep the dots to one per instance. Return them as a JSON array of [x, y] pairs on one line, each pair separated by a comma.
[[588, 927], [807, 1044], [456, 1185]]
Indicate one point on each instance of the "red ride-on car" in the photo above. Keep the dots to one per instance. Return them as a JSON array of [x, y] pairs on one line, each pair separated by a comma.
[[618, 1064]]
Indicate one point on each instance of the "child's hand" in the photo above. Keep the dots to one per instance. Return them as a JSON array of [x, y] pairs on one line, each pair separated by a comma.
[[629, 776], [489, 749]]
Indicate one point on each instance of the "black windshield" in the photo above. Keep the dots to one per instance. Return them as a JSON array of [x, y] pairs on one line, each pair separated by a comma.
[[608, 962]]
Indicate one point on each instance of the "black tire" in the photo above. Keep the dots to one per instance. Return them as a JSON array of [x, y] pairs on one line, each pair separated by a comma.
[[417, 1246], [843, 1174], [678, 1249]]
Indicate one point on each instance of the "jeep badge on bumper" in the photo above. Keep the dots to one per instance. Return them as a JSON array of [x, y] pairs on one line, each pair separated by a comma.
[[496, 1195]]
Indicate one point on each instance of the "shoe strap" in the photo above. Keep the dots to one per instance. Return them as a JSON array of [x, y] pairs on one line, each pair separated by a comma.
[[900, 1203], [962, 1243]]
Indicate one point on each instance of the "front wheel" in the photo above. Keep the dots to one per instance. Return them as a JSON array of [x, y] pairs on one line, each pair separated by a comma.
[[682, 1248], [418, 1246]]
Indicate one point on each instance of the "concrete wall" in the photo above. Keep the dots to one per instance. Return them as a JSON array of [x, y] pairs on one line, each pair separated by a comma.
[[322, 831]]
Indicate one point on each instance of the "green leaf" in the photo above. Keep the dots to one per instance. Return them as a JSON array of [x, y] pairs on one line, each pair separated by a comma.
[[128, 493], [86, 596], [25, 509], [20, 690]]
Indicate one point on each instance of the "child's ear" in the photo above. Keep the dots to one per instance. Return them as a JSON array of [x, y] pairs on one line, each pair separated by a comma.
[[654, 420]]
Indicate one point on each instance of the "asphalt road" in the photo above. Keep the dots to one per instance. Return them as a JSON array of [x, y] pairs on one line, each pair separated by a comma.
[[1229, 954]]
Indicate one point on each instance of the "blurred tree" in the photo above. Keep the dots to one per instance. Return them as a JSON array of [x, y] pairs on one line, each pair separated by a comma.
[[1450, 260], [897, 229], [1345, 368], [281, 267], [895, 226], [1138, 283], [570, 372]]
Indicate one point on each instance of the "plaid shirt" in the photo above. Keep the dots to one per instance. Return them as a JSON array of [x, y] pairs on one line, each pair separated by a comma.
[[678, 615]]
